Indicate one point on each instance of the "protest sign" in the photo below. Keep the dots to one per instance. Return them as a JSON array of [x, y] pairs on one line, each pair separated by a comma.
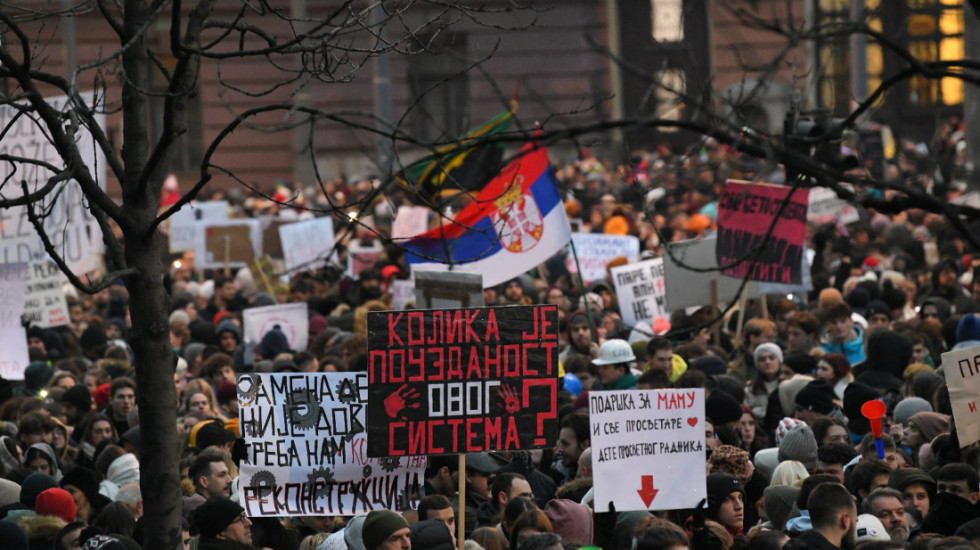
[[362, 255], [410, 221], [962, 370], [826, 207], [13, 337], [745, 215], [647, 449], [462, 380], [190, 219], [65, 213], [687, 287], [305, 449], [641, 291], [271, 239], [596, 250], [236, 242], [44, 298], [448, 289], [292, 319], [307, 244], [402, 291]]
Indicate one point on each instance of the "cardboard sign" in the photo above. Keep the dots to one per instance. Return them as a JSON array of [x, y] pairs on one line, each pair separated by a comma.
[[307, 244], [238, 240], [304, 449], [362, 256], [410, 221], [186, 223], [292, 319], [271, 239], [688, 285], [746, 211], [13, 337], [448, 289], [827, 207], [596, 250], [962, 368], [648, 449], [462, 380], [641, 290], [44, 298], [67, 219]]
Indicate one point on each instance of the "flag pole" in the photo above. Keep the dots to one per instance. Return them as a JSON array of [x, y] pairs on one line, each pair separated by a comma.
[[581, 284], [461, 504]]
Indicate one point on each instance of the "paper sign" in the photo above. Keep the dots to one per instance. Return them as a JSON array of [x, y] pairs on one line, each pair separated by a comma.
[[448, 289], [410, 222], [402, 291], [13, 337], [304, 449], [44, 298], [827, 207], [596, 250], [688, 285], [641, 290], [187, 222], [307, 244], [745, 215], [962, 369], [362, 256], [292, 319], [647, 449], [462, 380]]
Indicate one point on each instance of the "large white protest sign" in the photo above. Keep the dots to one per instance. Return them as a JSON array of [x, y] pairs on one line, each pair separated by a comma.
[[306, 449], [962, 370], [596, 250], [641, 290], [13, 337], [186, 223], [292, 319], [44, 298], [410, 222], [647, 449], [688, 287], [66, 217], [826, 207], [307, 244]]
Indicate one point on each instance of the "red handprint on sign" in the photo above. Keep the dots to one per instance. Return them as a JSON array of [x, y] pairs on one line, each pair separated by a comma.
[[511, 403], [396, 402]]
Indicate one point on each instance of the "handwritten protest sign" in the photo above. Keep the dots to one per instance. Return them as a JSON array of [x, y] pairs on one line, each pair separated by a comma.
[[745, 213], [688, 286], [641, 291], [307, 244], [962, 369], [410, 221], [67, 219], [448, 289], [647, 449], [362, 255], [402, 291], [44, 298], [596, 250], [305, 449], [292, 319], [827, 207], [462, 380], [13, 337], [186, 223]]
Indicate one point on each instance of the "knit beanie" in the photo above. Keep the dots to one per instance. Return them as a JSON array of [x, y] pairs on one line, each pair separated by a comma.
[[878, 306], [731, 460], [767, 347], [214, 516], [968, 329], [79, 397], [888, 351], [102, 396], [801, 445], [352, 533], [817, 396], [801, 363], [908, 407], [784, 426], [56, 502], [34, 485], [778, 502], [9, 492], [36, 376], [571, 520], [379, 525], [721, 408], [431, 535], [709, 364], [83, 479], [903, 477], [947, 513], [926, 384], [719, 485], [103, 542], [914, 369], [930, 424], [13, 536]]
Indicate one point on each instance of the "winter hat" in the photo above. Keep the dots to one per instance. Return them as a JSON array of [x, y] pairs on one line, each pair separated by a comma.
[[858, 299], [379, 525], [34, 485], [731, 460], [36, 376], [102, 396], [352, 533], [968, 329], [318, 323], [103, 542], [273, 343], [908, 407], [79, 397], [216, 514], [719, 485], [179, 316], [9, 492], [262, 299], [721, 408], [930, 424], [13, 536], [226, 393], [56, 502], [895, 298], [767, 347], [870, 528], [778, 502], [730, 385], [334, 542], [85, 480], [925, 384], [888, 351], [857, 394], [817, 396], [208, 433], [571, 520], [903, 477], [784, 426], [799, 444], [947, 513], [92, 338], [801, 363], [431, 535], [766, 461], [708, 364]]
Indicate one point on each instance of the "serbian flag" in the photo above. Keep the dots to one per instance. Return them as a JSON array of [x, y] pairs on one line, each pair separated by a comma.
[[515, 223]]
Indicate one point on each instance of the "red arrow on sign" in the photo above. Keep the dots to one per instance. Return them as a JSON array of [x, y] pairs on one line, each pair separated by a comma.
[[648, 493]]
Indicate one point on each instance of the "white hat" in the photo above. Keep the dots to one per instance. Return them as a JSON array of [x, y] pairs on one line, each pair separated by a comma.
[[614, 351], [870, 528]]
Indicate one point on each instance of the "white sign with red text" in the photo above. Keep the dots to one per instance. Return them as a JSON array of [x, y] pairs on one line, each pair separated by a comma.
[[962, 370]]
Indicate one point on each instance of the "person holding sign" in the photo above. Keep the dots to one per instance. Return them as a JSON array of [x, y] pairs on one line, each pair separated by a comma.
[[614, 361]]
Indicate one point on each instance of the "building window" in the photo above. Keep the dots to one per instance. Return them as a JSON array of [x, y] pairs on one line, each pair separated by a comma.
[[833, 54], [935, 30], [667, 20], [438, 78]]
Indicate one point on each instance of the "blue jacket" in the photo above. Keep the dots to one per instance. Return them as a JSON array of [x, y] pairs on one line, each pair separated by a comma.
[[853, 349]]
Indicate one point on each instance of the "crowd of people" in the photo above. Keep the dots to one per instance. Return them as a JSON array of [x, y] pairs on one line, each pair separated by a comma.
[[790, 461]]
